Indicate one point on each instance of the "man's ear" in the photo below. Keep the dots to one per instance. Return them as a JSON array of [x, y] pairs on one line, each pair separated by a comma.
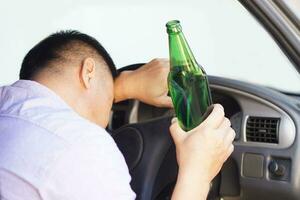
[[88, 71]]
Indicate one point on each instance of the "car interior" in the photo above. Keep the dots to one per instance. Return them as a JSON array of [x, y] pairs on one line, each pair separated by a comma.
[[266, 159], [264, 164]]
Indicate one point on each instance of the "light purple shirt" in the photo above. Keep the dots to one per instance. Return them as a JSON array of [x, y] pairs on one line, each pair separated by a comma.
[[49, 152]]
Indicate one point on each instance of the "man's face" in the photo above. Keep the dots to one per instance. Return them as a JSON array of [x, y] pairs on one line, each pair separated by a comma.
[[101, 95]]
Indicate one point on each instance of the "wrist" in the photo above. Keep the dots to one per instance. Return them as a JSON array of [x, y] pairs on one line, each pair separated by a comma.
[[189, 176], [123, 86], [190, 185]]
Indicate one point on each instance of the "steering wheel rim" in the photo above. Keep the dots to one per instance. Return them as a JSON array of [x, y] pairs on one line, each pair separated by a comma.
[[151, 159]]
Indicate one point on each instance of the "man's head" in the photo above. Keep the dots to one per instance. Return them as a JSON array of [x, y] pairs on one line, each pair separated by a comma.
[[78, 69]]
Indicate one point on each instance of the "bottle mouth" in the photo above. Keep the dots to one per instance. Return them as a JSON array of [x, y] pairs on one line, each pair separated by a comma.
[[173, 26]]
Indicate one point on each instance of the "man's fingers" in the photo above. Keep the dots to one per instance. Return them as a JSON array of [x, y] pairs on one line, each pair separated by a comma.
[[225, 124], [165, 101], [160, 59], [177, 133], [216, 117], [229, 137], [228, 152], [168, 102]]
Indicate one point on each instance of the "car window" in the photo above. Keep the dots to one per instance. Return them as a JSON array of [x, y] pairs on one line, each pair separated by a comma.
[[226, 40]]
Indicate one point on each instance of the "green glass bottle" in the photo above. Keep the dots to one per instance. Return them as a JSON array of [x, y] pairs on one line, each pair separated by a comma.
[[187, 81]]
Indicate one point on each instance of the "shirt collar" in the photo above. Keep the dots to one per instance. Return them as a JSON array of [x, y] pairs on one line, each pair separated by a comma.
[[40, 90]]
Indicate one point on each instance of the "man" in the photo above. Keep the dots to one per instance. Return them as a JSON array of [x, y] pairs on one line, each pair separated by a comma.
[[52, 126]]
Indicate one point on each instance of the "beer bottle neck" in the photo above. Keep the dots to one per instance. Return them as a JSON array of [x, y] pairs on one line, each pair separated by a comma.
[[180, 52]]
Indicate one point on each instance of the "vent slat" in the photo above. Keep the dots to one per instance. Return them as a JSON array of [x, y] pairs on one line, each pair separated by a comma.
[[262, 129]]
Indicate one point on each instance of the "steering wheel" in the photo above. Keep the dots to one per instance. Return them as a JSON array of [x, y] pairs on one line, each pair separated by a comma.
[[150, 155]]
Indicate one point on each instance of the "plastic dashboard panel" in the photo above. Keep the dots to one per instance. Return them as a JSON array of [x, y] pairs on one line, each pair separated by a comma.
[[261, 101], [256, 100], [254, 106]]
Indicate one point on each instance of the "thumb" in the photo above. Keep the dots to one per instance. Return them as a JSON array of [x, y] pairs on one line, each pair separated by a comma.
[[177, 133], [165, 101]]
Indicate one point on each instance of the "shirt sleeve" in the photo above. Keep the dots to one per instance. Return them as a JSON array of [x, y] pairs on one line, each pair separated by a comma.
[[91, 170]]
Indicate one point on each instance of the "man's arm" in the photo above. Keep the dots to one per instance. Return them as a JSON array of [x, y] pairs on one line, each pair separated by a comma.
[[201, 153], [189, 186], [147, 84]]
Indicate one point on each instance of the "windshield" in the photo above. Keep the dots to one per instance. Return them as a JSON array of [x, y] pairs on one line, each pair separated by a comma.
[[225, 39]]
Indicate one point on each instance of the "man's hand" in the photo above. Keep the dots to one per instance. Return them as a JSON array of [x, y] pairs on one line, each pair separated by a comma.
[[147, 84], [201, 153]]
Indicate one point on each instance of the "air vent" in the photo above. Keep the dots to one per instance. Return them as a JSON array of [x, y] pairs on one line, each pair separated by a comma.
[[262, 129]]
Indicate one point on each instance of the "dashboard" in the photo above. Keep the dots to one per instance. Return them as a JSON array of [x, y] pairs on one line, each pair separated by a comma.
[[266, 159]]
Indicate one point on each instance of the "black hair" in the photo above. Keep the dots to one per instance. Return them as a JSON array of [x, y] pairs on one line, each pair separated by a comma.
[[49, 49]]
